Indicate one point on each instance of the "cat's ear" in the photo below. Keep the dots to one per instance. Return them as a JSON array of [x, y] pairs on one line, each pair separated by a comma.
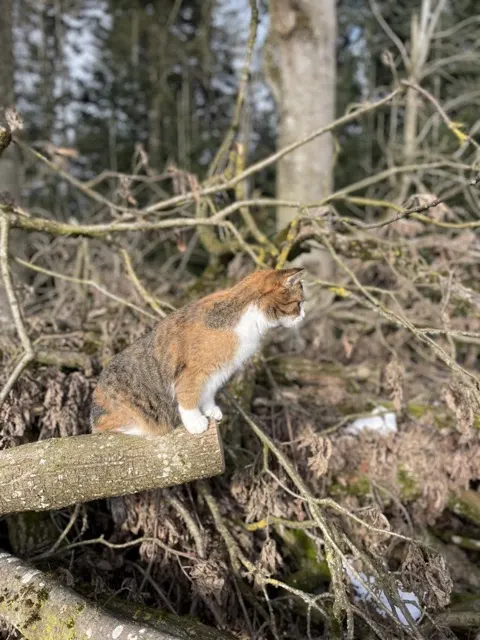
[[291, 277]]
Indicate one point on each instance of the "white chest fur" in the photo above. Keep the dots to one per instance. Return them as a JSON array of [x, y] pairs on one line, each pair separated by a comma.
[[250, 330]]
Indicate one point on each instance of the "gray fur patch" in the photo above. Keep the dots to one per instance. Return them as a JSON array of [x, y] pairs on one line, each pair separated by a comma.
[[96, 412], [224, 314]]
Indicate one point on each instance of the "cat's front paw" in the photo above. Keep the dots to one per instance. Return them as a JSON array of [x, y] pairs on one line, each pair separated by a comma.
[[193, 421], [214, 412]]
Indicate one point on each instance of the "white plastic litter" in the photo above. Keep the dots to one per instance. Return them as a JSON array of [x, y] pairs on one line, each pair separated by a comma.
[[410, 599], [380, 421]]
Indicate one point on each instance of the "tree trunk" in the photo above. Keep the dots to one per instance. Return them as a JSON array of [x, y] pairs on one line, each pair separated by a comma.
[[158, 60], [10, 157], [10, 165], [303, 37], [43, 609], [55, 473]]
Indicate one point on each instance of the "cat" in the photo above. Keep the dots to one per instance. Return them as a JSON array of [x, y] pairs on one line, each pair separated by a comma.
[[179, 366]]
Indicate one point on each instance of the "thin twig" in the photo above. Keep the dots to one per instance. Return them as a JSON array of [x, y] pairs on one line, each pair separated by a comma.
[[149, 299], [378, 307], [192, 526], [89, 283], [66, 531], [242, 91], [15, 311], [408, 212], [455, 127], [237, 557], [124, 545]]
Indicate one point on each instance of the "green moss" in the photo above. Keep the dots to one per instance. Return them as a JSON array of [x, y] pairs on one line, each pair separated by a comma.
[[312, 572], [466, 504], [42, 595], [81, 606], [91, 347], [307, 579], [441, 418], [408, 485], [358, 486]]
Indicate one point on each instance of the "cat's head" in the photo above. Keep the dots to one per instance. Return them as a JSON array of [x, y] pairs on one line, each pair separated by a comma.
[[282, 299]]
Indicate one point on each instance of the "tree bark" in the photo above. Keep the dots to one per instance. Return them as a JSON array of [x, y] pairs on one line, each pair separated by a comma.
[[42, 609], [187, 627], [10, 164], [52, 474], [304, 35], [303, 45]]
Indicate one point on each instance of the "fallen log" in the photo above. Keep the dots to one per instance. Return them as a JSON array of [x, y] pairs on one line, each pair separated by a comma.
[[186, 627], [55, 473], [43, 609]]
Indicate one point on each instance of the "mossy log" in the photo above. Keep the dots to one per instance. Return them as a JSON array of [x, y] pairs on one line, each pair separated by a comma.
[[185, 627], [42, 609], [55, 473]]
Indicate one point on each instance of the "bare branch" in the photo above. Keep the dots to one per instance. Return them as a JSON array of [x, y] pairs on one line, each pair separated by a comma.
[[54, 473], [15, 311], [408, 212]]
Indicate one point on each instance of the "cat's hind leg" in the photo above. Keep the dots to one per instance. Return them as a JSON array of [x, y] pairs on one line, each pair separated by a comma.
[[120, 417]]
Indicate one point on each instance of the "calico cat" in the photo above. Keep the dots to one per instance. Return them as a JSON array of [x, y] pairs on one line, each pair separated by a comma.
[[178, 367]]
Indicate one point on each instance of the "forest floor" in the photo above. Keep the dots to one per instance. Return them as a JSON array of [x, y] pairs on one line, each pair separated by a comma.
[[418, 478]]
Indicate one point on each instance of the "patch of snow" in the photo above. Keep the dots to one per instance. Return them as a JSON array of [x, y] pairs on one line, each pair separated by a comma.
[[410, 599], [381, 421]]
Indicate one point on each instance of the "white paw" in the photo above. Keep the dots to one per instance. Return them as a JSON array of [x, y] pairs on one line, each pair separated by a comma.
[[214, 412], [193, 421]]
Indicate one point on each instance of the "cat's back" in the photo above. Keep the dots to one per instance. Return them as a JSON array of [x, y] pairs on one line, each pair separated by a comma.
[[162, 352]]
